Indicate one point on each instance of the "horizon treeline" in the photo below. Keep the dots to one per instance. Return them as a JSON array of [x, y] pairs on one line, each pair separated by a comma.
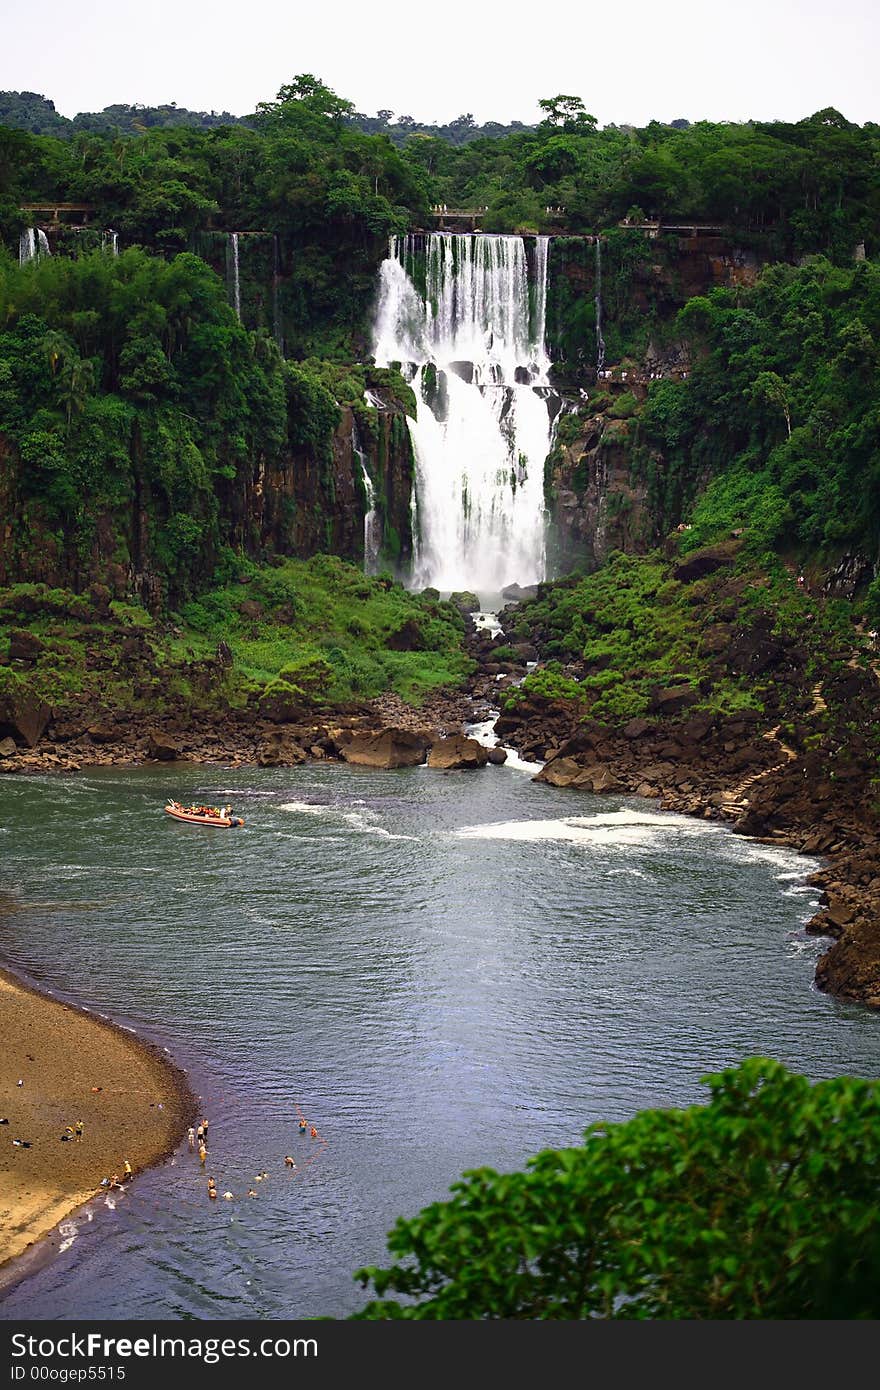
[[309, 161]]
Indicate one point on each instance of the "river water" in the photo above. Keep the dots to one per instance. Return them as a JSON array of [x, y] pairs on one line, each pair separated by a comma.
[[442, 970]]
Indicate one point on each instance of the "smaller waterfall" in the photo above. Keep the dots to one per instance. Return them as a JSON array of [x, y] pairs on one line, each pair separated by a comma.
[[372, 520], [232, 276], [277, 327], [600, 341], [32, 245], [110, 241], [27, 246]]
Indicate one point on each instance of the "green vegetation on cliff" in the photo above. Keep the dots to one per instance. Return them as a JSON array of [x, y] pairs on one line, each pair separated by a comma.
[[296, 635], [728, 634], [760, 1204], [781, 411]]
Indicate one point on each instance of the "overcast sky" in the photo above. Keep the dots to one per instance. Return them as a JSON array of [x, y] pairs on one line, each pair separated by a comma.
[[629, 60]]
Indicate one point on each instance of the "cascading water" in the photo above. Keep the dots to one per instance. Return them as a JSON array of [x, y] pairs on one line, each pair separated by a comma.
[[32, 244], [232, 276], [110, 241], [472, 344], [277, 327], [372, 520], [27, 246], [600, 341]]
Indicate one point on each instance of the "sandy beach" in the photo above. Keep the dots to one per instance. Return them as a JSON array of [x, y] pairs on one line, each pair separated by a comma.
[[72, 1066]]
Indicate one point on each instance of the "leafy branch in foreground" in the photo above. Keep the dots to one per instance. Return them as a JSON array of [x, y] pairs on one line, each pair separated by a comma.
[[760, 1204]]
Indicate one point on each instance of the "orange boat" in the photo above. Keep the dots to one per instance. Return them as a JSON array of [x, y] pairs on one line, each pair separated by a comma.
[[202, 815]]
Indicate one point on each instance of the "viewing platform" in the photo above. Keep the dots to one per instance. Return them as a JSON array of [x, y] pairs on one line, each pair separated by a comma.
[[457, 219], [56, 213]]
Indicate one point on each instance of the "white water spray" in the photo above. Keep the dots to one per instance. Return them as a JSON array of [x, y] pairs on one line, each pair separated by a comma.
[[372, 520], [473, 346], [27, 246], [600, 341], [232, 273]]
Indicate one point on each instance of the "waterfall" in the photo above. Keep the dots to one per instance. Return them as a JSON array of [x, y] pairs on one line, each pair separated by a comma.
[[232, 278], [471, 342], [110, 239], [32, 244], [372, 520], [277, 328], [600, 341], [27, 246]]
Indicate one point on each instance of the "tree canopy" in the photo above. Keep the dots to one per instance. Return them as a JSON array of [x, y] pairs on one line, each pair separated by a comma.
[[760, 1204]]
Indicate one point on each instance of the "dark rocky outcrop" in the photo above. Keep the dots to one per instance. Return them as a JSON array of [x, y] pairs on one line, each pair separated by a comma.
[[458, 752], [388, 748]]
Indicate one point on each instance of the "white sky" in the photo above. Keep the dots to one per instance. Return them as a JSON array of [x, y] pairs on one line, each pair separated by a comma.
[[629, 60]]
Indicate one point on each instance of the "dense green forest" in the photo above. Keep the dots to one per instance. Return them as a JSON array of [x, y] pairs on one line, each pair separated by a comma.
[[131, 376]]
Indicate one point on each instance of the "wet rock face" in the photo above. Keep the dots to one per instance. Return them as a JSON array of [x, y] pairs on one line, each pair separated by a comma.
[[458, 752], [387, 749], [24, 716]]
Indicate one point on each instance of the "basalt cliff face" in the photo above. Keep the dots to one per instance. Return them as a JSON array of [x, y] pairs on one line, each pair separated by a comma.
[[305, 502]]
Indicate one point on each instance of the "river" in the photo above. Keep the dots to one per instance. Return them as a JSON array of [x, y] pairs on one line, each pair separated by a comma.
[[442, 970]]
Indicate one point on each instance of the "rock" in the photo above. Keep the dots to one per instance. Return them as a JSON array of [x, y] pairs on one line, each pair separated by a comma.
[[8, 747], [702, 562], [458, 752], [637, 728], [279, 750], [224, 655], [26, 714], [514, 593], [602, 779], [161, 747], [564, 772], [102, 733], [387, 749], [673, 700], [24, 646], [465, 601], [645, 789], [100, 596], [251, 609], [408, 638], [497, 756]]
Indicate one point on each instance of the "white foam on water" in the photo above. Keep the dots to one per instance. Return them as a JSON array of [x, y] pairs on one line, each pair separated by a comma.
[[624, 827], [361, 821], [68, 1230]]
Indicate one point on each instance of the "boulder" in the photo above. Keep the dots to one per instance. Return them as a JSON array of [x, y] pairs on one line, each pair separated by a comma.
[[251, 609], [102, 733], [26, 714], [602, 779], [564, 772], [389, 748], [702, 562], [514, 593], [407, 638], [278, 749], [8, 747], [458, 752], [24, 646], [674, 699], [161, 747], [637, 728], [497, 756]]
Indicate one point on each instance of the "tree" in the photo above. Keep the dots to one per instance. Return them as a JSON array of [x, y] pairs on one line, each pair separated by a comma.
[[769, 386], [761, 1204], [566, 112]]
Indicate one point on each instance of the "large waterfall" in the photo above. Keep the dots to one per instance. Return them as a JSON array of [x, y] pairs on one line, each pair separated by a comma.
[[464, 315]]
